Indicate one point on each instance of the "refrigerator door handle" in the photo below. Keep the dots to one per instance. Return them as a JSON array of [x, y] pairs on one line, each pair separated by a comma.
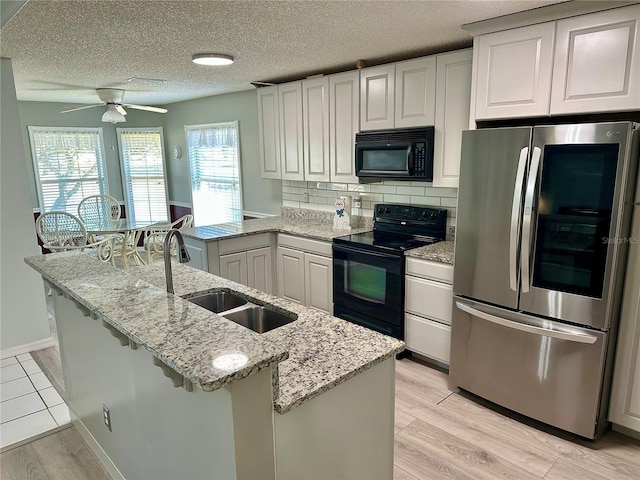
[[527, 220], [515, 215], [571, 337]]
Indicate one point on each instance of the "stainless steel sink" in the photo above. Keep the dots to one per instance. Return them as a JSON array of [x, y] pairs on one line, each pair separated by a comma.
[[217, 302], [259, 319]]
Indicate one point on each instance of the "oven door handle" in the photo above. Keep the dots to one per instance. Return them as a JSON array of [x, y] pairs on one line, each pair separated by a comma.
[[348, 249], [546, 332]]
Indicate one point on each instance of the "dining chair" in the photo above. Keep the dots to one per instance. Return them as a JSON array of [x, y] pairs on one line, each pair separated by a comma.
[[95, 208], [61, 231], [154, 239]]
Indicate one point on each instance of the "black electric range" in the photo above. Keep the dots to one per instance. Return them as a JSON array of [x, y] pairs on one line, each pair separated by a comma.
[[368, 268]]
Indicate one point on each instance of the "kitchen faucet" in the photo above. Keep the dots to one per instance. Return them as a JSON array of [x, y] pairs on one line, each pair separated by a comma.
[[181, 253]]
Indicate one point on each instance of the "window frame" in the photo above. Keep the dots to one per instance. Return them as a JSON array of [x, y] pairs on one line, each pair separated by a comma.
[[233, 123], [33, 129], [129, 208]]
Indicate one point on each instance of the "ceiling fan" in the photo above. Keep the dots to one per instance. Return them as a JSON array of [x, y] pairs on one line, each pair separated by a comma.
[[112, 99]]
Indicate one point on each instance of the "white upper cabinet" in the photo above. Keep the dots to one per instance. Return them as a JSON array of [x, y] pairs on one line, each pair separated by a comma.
[[344, 123], [398, 95], [315, 110], [415, 94], [377, 94], [269, 132], [513, 72], [596, 65], [583, 64], [453, 87], [290, 103]]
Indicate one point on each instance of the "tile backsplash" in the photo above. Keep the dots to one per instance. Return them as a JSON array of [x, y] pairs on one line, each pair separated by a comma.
[[322, 195]]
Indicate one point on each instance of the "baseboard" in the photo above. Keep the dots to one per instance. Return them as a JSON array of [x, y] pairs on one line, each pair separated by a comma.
[[27, 347], [625, 431], [95, 447]]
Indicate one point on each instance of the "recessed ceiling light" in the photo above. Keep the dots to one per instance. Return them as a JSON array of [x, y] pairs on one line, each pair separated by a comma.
[[212, 59]]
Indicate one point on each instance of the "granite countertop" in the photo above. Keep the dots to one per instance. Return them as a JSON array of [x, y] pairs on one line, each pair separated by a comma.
[[311, 355], [315, 228], [438, 252]]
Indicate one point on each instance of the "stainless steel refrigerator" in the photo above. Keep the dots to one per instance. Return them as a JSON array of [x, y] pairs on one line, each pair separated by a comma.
[[543, 218]]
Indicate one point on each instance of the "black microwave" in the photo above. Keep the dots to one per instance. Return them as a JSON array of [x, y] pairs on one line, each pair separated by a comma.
[[401, 153]]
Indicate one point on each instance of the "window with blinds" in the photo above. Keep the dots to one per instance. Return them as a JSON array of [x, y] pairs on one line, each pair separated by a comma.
[[68, 165], [143, 173], [214, 161]]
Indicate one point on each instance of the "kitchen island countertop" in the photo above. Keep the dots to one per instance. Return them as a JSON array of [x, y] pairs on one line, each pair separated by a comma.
[[313, 354]]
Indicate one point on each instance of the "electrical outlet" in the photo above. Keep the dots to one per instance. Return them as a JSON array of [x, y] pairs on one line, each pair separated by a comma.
[[107, 416], [305, 197]]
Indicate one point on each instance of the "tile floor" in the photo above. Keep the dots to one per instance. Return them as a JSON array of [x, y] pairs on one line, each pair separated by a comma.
[[30, 405]]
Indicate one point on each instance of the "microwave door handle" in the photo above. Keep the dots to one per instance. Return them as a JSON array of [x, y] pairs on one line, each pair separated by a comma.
[[515, 217], [527, 220], [546, 332], [410, 159]]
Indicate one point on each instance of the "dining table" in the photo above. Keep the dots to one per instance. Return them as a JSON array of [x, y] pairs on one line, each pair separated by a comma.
[[129, 230]]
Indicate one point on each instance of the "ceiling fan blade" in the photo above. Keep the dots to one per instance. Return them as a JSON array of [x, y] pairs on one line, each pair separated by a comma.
[[82, 108], [110, 95], [147, 108], [121, 109]]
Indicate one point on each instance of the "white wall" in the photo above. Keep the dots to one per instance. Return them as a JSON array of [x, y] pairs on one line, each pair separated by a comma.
[[23, 313]]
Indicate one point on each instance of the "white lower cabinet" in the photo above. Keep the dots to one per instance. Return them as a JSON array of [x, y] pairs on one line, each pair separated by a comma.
[[624, 410], [248, 260], [305, 272], [428, 303], [204, 255]]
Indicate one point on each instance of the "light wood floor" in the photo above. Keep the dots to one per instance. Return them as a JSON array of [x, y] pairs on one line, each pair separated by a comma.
[[439, 435]]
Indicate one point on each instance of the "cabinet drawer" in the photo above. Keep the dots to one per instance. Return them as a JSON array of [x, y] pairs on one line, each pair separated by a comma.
[[428, 338], [306, 244], [429, 298], [242, 244], [441, 272]]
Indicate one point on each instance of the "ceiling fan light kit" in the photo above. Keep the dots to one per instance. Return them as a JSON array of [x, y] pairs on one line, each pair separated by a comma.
[[212, 59], [112, 115], [112, 99]]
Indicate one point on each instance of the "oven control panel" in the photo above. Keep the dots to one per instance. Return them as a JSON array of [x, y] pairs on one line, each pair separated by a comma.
[[415, 214]]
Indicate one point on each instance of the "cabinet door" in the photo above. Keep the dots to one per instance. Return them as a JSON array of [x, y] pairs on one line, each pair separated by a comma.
[[290, 102], [291, 274], [315, 111], [198, 253], [415, 93], [625, 392], [318, 282], [234, 267], [428, 338], [260, 270], [429, 299], [597, 66], [514, 72], [344, 123], [377, 87], [269, 132], [453, 99]]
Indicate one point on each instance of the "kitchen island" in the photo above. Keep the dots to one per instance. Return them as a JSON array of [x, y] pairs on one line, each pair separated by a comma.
[[311, 399]]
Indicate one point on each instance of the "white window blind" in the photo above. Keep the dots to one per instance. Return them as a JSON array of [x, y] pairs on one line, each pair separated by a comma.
[[68, 164], [214, 160], [142, 160]]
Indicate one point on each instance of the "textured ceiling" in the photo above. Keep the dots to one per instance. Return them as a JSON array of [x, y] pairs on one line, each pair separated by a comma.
[[62, 50]]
